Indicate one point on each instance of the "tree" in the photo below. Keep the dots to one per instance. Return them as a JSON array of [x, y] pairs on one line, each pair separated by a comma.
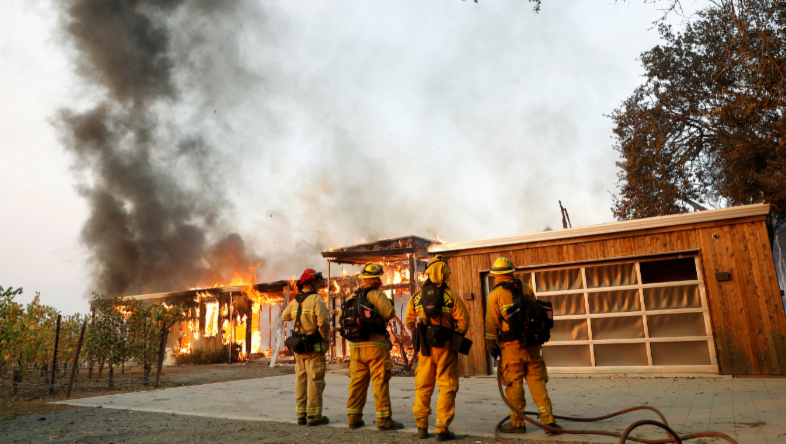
[[708, 125]]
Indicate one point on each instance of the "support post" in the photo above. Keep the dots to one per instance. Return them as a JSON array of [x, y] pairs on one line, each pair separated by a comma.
[[331, 307], [413, 278], [231, 331], [270, 326], [75, 365], [249, 325], [54, 358], [280, 331], [161, 350]]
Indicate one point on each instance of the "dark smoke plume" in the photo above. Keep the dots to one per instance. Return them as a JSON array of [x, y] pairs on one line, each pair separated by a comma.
[[158, 207]]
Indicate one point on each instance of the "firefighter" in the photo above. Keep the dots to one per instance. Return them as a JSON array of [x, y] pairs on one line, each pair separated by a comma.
[[441, 367], [313, 326], [518, 363], [370, 359]]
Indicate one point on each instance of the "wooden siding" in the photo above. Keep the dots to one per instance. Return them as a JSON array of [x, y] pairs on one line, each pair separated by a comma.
[[747, 315]]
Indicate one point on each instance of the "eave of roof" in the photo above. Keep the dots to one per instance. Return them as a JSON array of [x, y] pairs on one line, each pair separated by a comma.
[[270, 287], [613, 227], [363, 257]]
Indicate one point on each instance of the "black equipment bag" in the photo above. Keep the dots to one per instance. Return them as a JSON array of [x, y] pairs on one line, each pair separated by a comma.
[[301, 342], [529, 320], [419, 340], [437, 335], [460, 344], [431, 298], [359, 318]]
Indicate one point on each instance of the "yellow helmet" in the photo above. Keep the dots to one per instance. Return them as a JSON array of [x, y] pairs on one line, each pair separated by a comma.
[[502, 266], [435, 259], [371, 271], [438, 269]]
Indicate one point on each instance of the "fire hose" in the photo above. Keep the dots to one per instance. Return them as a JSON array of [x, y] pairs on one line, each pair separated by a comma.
[[624, 436]]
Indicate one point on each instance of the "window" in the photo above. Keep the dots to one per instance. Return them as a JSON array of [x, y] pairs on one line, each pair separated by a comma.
[[645, 313]]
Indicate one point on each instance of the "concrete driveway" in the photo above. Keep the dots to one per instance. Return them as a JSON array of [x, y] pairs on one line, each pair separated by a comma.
[[749, 410]]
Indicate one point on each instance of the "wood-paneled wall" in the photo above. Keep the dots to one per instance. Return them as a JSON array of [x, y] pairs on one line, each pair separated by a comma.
[[747, 315]]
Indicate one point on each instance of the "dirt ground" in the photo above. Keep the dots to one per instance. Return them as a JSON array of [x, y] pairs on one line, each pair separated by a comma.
[[94, 425], [28, 418], [34, 400]]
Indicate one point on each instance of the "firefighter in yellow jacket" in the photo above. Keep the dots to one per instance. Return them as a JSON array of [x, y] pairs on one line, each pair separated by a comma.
[[364, 323], [312, 326], [446, 313], [518, 363]]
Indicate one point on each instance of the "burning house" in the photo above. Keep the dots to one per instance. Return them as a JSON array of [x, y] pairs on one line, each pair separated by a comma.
[[245, 318]]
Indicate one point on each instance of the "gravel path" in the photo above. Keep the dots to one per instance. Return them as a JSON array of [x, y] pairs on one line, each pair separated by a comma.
[[101, 425]]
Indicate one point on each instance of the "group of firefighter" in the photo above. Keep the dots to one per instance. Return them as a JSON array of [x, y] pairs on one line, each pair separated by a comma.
[[439, 320]]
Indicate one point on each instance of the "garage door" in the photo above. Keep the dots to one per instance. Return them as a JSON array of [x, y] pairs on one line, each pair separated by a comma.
[[644, 316]]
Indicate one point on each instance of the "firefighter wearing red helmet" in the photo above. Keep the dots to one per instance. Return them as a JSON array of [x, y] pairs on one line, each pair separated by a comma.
[[309, 344]]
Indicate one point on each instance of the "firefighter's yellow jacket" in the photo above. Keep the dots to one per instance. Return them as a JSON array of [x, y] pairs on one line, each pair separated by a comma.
[[498, 301], [314, 317]]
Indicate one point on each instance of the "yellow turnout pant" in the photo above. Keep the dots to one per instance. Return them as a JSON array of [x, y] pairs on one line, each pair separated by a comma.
[[518, 364], [309, 385], [369, 364], [441, 368]]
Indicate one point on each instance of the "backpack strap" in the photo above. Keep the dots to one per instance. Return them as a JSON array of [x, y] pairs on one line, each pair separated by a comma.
[[298, 323]]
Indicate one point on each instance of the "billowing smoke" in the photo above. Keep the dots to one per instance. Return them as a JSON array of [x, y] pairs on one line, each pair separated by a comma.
[[310, 125], [155, 188]]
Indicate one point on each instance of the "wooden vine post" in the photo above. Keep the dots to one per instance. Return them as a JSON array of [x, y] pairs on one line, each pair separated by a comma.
[[75, 365], [54, 358], [161, 350]]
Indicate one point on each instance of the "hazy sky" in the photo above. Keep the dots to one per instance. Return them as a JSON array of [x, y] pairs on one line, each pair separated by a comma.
[[338, 122]]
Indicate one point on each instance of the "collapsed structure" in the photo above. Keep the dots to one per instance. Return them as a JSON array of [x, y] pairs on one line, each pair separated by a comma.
[[404, 261]]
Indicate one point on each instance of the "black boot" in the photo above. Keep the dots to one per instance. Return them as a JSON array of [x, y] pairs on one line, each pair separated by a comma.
[[322, 421], [394, 425], [554, 425], [357, 425], [508, 427], [301, 420], [445, 436], [422, 433]]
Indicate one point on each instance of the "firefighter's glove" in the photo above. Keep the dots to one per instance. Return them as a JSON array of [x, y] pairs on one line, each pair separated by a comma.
[[490, 343]]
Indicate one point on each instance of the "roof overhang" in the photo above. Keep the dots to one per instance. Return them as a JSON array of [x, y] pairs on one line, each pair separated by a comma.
[[271, 287], [363, 257], [613, 227], [384, 250]]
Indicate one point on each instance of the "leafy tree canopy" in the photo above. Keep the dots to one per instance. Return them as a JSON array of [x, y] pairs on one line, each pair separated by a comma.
[[708, 124]]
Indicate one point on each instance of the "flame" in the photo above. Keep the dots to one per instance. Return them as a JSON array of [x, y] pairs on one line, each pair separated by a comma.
[[123, 310], [233, 326], [440, 240], [211, 319]]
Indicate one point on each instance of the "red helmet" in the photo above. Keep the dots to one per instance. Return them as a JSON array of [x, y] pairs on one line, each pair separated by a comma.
[[308, 276]]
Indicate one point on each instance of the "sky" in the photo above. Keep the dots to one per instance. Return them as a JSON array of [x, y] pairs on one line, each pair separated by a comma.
[[331, 123]]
